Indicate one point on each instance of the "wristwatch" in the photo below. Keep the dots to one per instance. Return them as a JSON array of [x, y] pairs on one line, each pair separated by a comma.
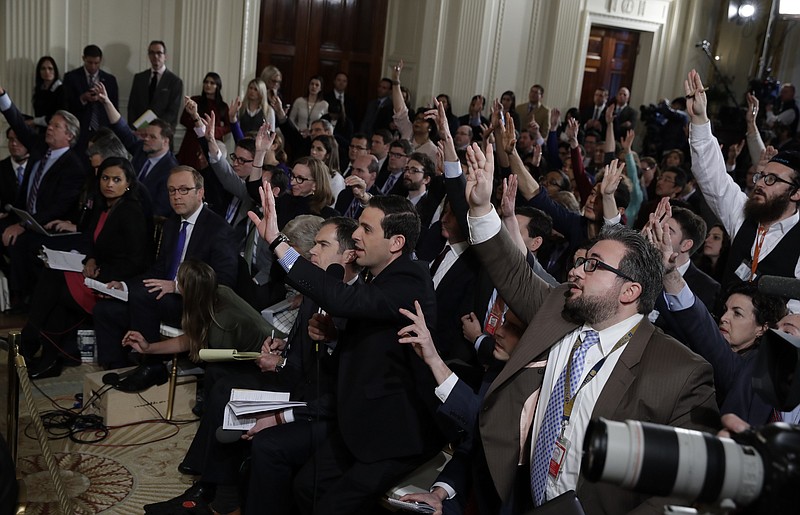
[[281, 238], [279, 366]]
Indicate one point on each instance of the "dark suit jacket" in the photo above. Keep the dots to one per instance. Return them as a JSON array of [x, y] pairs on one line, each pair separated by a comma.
[[346, 197], [349, 106], [8, 182], [377, 116], [385, 392], [60, 188], [454, 299], [705, 287], [75, 84], [212, 242], [733, 372], [167, 100], [626, 115], [123, 248], [656, 379], [156, 180]]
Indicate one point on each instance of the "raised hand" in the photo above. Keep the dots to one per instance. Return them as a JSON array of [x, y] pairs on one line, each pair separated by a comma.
[[480, 177], [209, 121], [658, 234], [612, 175], [572, 130], [265, 138], [267, 227], [766, 154], [627, 141], [555, 116], [417, 334], [509, 136], [190, 106], [696, 101], [396, 69], [752, 109], [509, 202], [233, 109], [663, 210]]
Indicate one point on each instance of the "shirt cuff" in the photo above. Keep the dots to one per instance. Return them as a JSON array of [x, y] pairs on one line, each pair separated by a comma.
[[611, 221], [200, 131], [452, 169], [288, 416], [215, 158], [5, 101], [288, 259], [443, 390], [484, 227], [680, 301], [478, 341], [447, 488]]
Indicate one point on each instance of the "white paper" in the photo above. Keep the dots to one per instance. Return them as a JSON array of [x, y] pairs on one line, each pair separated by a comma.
[[246, 402], [105, 290], [68, 261]]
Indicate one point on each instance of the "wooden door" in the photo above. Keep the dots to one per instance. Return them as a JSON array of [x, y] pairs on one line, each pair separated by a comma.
[[610, 61], [308, 37]]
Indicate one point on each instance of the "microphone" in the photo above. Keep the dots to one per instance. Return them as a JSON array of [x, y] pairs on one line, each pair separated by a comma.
[[781, 286], [228, 435], [112, 379]]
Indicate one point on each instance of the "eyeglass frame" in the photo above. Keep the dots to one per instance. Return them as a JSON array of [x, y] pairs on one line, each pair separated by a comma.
[[396, 155], [240, 160], [581, 261], [411, 169], [771, 178], [183, 190], [300, 179]]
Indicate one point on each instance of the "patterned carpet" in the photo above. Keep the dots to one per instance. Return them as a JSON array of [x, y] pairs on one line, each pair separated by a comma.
[[133, 466]]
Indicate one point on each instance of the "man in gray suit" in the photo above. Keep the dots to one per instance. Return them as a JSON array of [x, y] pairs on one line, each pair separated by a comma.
[[157, 89], [603, 359]]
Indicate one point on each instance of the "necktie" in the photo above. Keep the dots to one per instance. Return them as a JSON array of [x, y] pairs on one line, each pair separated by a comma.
[[438, 261], [94, 118], [551, 425], [152, 90], [145, 171], [352, 209], [37, 179], [387, 186], [596, 114], [233, 208], [20, 174], [176, 258]]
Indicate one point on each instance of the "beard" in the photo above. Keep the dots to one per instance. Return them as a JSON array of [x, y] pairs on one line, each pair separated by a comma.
[[591, 309], [768, 211]]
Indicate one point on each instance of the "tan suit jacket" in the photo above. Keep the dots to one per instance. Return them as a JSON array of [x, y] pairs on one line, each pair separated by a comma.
[[541, 114], [656, 379]]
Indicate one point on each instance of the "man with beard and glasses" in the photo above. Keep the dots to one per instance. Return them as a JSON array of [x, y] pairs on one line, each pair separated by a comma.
[[764, 230], [603, 359]]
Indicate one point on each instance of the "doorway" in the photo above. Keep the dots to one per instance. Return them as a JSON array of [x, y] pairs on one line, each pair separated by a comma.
[[307, 37], [610, 61]]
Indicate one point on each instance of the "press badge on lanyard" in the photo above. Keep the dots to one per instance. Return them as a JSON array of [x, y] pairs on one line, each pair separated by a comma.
[[562, 445]]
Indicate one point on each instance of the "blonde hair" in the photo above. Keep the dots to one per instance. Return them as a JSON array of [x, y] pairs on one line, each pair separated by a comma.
[[323, 194], [261, 86]]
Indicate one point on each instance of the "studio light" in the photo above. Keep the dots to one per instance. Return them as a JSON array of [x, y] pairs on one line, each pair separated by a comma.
[[746, 10]]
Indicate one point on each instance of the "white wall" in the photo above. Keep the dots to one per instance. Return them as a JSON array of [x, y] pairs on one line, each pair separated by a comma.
[[459, 47]]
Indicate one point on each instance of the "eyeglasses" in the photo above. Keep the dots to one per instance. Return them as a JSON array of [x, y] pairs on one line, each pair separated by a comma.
[[356, 147], [411, 169], [240, 160], [395, 154], [299, 178], [592, 264], [183, 190], [770, 179]]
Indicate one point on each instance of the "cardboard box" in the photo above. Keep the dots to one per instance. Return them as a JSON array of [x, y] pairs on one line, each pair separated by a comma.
[[118, 408]]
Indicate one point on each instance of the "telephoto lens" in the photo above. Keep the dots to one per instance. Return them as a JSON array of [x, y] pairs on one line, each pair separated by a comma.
[[672, 462]]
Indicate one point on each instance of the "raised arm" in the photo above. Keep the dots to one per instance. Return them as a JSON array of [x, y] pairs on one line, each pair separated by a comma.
[[111, 111], [636, 189], [612, 174], [582, 181], [400, 109]]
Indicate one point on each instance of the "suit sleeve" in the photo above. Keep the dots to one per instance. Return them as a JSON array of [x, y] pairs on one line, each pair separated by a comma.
[[564, 221], [126, 136], [17, 122], [175, 100], [223, 257]]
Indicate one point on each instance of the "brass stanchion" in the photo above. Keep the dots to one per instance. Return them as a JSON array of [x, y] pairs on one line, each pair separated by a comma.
[[64, 501], [12, 417]]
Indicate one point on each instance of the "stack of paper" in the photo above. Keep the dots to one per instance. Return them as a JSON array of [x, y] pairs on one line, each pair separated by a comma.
[[105, 290], [248, 402]]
